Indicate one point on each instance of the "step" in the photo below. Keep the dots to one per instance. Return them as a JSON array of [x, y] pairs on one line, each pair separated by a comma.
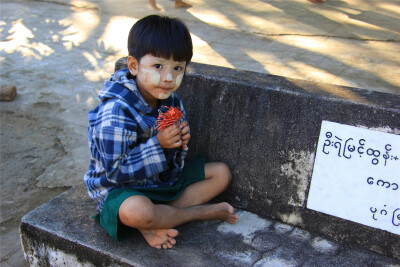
[[62, 233]]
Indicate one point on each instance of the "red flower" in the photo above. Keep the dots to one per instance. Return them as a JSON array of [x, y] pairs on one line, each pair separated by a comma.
[[168, 118]]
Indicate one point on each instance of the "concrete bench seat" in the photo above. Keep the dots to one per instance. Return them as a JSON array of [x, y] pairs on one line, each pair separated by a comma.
[[62, 233], [266, 129]]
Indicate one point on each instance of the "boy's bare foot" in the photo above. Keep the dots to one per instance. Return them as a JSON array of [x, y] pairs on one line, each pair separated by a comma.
[[153, 5], [221, 211], [162, 238], [165, 238], [180, 3]]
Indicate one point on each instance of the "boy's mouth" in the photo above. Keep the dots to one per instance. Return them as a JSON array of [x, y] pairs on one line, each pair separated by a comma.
[[165, 93], [165, 88]]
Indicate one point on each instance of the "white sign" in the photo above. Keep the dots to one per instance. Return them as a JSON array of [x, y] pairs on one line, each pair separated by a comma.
[[356, 176]]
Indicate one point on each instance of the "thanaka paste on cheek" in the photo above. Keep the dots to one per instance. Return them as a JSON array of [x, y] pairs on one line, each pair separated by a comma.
[[151, 77], [178, 81]]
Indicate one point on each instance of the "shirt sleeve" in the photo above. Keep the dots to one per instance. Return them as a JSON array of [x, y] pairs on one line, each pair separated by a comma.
[[124, 159], [182, 153]]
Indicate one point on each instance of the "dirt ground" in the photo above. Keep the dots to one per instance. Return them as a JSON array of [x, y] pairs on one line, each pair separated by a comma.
[[23, 161], [43, 132], [35, 167], [44, 147]]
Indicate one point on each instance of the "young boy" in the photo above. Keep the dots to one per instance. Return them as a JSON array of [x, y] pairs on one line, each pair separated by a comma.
[[136, 173]]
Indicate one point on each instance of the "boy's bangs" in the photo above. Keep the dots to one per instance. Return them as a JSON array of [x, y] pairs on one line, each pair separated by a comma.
[[167, 44], [172, 50]]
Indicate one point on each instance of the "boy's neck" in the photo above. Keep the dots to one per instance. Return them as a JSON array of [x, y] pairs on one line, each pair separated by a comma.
[[154, 104]]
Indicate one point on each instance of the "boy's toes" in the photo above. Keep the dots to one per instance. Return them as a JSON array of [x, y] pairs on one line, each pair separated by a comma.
[[167, 245], [172, 232], [172, 240], [233, 218]]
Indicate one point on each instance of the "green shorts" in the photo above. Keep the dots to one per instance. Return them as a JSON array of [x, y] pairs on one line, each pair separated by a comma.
[[193, 172]]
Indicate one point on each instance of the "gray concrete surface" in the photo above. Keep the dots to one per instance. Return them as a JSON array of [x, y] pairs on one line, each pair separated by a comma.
[[58, 53], [53, 239], [266, 128], [272, 181]]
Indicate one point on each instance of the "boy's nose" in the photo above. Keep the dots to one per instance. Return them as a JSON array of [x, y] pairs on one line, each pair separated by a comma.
[[168, 76]]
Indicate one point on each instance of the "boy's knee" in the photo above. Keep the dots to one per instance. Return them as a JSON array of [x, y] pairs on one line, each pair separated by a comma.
[[224, 173], [138, 212], [227, 171]]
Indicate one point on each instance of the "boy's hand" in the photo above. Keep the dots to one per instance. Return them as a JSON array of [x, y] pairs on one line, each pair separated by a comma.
[[185, 135], [175, 136], [170, 137]]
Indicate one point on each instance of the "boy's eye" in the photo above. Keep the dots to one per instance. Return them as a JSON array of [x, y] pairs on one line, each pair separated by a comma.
[[178, 68], [158, 66]]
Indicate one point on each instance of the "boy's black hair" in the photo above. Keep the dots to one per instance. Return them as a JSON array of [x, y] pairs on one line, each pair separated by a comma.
[[160, 36]]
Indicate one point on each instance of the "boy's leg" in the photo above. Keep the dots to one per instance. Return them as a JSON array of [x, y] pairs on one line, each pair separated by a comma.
[[217, 178], [156, 222]]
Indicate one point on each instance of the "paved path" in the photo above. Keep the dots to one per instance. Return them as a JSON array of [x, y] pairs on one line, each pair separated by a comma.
[[58, 53], [352, 43]]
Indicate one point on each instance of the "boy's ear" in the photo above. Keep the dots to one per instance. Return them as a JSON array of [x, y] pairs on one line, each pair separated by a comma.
[[133, 65]]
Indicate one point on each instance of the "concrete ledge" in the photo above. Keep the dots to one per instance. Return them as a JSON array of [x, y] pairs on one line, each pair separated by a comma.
[[62, 233], [266, 129]]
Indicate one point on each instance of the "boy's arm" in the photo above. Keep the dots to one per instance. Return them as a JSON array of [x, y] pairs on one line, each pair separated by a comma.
[[181, 154], [124, 159]]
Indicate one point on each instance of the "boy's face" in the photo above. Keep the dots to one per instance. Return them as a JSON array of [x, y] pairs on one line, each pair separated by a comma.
[[156, 78]]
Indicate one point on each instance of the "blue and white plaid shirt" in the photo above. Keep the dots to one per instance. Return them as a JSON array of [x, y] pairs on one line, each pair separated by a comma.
[[122, 140]]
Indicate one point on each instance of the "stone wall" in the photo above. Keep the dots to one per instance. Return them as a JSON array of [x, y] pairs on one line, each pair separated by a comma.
[[266, 129]]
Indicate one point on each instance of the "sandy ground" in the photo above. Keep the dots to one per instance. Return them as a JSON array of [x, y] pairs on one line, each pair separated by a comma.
[[43, 131], [59, 52], [24, 159]]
